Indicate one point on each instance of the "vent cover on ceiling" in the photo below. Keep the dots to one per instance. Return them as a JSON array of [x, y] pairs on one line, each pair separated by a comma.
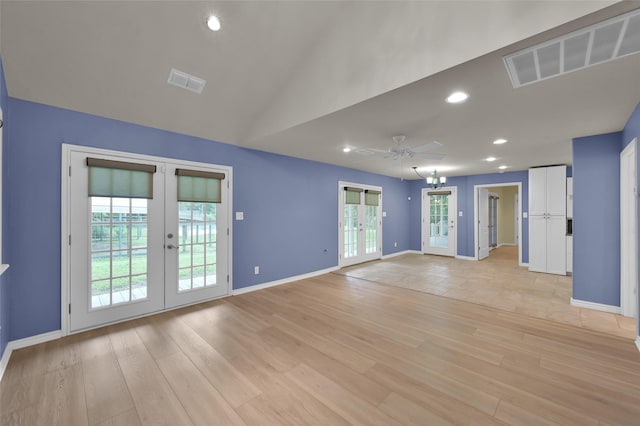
[[599, 43], [186, 81]]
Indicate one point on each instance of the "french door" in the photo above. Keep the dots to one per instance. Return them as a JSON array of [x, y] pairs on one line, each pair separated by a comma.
[[145, 234], [360, 223], [439, 221]]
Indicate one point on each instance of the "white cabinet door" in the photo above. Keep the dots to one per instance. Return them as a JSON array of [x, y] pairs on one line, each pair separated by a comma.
[[569, 254], [556, 245], [537, 191], [537, 244], [569, 197], [557, 191]]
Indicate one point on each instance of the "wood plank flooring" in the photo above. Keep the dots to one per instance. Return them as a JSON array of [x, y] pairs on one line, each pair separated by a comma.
[[331, 350], [496, 281]]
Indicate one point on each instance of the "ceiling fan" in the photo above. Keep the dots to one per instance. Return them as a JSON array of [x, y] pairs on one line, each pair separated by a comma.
[[400, 151]]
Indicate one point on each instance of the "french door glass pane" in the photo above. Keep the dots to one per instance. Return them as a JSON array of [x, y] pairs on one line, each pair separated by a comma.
[[439, 221], [198, 245], [371, 229], [350, 230], [118, 273]]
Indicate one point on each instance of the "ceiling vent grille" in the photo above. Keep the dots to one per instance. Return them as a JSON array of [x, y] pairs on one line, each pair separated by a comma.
[[186, 81], [599, 43]]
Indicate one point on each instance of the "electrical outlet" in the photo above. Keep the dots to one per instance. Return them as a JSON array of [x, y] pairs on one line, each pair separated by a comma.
[[256, 270]]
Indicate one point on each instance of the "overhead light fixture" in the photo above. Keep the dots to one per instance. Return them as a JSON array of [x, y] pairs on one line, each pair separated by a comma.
[[346, 149], [490, 159], [434, 180], [213, 23], [502, 167], [499, 141], [457, 97]]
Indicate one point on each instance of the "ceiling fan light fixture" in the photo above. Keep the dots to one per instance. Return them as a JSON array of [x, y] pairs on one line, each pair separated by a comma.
[[457, 97]]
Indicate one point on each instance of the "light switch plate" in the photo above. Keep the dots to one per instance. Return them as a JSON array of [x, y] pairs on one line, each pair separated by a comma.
[[525, 215], [239, 215], [384, 214], [460, 213]]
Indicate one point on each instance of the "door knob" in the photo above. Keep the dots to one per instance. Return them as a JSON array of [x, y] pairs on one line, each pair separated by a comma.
[[171, 246]]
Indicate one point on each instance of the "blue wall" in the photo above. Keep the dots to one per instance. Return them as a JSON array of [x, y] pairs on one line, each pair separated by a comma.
[[4, 296], [465, 186], [290, 206], [596, 218]]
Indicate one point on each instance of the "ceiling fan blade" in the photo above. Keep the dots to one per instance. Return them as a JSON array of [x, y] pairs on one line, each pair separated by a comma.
[[426, 147], [430, 155]]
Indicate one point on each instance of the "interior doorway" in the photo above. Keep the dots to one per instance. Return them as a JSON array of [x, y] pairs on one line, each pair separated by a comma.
[[497, 219]]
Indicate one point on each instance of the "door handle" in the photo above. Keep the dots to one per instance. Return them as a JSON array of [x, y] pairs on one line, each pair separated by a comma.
[[171, 246]]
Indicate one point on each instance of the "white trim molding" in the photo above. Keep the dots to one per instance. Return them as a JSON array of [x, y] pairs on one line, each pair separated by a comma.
[[596, 306], [400, 253], [638, 342], [465, 257], [287, 280], [3, 268], [23, 343]]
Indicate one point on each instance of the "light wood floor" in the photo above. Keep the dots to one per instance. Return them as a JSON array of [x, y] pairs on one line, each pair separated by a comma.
[[332, 350], [497, 282]]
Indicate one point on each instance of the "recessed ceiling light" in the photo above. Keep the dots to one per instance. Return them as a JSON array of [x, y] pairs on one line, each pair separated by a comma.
[[490, 159], [346, 149], [499, 141], [502, 167], [457, 97], [213, 22]]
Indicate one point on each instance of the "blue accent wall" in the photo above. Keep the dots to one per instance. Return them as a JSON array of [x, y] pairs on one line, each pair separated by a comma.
[[4, 279], [596, 218], [465, 186], [632, 130], [290, 206]]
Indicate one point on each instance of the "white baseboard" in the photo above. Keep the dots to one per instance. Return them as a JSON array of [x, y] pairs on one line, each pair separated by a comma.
[[283, 281], [638, 343], [23, 343], [507, 245], [400, 253], [595, 306], [465, 257], [525, 264]]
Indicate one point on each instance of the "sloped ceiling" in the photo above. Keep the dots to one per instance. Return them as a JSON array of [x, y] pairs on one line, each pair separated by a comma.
[[307, 78]]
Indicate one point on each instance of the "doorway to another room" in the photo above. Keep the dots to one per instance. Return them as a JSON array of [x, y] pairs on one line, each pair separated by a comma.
[[498, 217], [439, 208]]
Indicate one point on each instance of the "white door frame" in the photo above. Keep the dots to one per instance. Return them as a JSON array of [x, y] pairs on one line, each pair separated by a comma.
[[65, 227], [341, 260], [475, 216], [629, 230], [453, 214]]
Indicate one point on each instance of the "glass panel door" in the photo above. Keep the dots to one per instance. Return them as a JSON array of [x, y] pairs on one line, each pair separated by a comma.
[[116, 255], [360, 225], [439, 221], [196, 242]]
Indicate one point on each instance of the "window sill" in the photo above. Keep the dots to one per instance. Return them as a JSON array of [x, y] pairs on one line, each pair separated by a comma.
[[3, 268]]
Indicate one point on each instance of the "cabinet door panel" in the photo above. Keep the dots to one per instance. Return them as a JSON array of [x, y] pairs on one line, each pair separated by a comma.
[[537, 191], [537, 244], [556, 245], [557, 190]]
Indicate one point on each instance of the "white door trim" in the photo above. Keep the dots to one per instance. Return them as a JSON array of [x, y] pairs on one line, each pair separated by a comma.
[[453, 210], [475, 216], [65, 228], [629, 230], [341, 259]]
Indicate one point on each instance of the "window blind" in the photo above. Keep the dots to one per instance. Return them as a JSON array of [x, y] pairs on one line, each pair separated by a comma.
[[371, 197], [199, 187], [108, 178], [352, 195]]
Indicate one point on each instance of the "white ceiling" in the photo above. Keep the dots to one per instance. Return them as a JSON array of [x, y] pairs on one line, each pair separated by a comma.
[[306, 78]]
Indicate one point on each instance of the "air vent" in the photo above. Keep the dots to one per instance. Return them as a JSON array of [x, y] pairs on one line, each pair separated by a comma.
[[599, 43], [186, 81]]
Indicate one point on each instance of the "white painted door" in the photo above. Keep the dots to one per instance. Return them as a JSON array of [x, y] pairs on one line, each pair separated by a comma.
[[538, 245], [133, 247], [556, 245], [439, 221], [196, 234], [360, 225], [483, 223], [629, 231]]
